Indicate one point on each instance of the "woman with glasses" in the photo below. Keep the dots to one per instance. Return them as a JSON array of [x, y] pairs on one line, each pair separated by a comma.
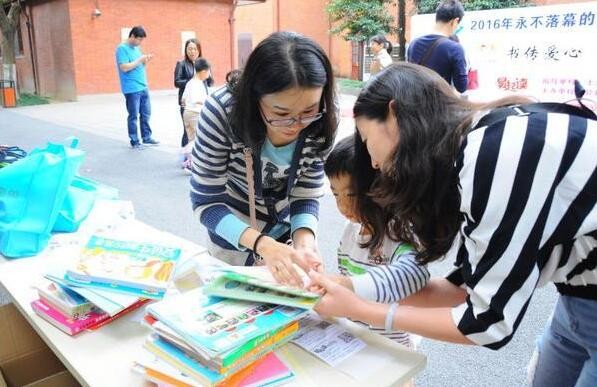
[[260, 145]]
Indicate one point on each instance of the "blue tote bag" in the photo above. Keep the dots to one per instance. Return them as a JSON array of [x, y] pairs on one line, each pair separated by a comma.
[[32, 192]]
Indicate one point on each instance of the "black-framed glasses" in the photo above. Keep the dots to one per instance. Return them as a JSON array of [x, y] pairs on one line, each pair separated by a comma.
[[287, 122]]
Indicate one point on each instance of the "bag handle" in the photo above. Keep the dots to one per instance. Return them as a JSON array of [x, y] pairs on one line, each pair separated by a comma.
[[248, 153], [430, 50]]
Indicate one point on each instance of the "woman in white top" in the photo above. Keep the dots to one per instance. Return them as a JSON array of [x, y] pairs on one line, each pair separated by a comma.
[[382, 48]]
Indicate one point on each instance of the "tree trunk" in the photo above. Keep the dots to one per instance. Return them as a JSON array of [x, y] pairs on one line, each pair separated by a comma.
[[401, 29]]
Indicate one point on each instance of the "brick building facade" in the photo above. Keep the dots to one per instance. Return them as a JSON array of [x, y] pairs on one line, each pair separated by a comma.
[[73, 44]]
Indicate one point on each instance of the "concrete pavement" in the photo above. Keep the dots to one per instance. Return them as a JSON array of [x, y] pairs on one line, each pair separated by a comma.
[[159, 191]]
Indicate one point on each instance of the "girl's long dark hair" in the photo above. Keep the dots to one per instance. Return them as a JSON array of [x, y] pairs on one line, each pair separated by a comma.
[[419, 187], [281, 61]]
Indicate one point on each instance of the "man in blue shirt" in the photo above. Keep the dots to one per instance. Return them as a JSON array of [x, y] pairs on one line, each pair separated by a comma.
[[131, 64], [437, 51]]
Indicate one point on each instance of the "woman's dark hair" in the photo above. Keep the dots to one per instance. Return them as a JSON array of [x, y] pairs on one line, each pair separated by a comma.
[[448, 10], [137, 32], [282, 61], [342, 161], [201, 64], [382, 41], [186, 44], [418, 187]]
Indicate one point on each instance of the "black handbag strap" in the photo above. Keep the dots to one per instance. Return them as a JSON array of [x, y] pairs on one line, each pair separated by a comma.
[[500, 114], [430, 50]]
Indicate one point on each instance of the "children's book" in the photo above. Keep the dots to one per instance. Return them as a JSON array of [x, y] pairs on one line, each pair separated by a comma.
[[270, 372], [243, 287], [159, 371], [110, 302], [236, 358], [67, 324], [130, 267], [62, 298], [216, 325], [179, 360]]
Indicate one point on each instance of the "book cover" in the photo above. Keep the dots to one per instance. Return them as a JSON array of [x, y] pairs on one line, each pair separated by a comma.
[[235, 358], [157, 370], [242, 287], [62, 298], [178, 359], [69, 325], [216, 325], [125, 266], [128, 309], [269, 372], [261, 277]]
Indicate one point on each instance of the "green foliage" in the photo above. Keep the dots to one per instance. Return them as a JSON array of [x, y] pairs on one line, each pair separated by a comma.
[[429, 6], [359, 20], [345, 83], [31, 99]]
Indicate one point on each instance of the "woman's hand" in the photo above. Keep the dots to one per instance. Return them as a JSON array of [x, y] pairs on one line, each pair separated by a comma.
[[337, 300], [279, 258], [304, 243]]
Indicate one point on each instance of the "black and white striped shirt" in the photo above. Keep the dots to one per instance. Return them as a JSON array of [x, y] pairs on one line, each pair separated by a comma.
[[528, 189]]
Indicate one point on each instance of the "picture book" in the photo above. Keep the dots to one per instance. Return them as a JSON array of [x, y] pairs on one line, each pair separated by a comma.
[[261, 277], [62, 298], [216, 325], [110, 302], [67, 324], [236, 357], [179, 360], [159, 371], [270, 371], [128, 309], [243, 287], [137, 268]]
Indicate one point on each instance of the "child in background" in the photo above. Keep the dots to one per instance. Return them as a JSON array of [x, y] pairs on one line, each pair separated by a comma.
[[193, 97], [378, 270]]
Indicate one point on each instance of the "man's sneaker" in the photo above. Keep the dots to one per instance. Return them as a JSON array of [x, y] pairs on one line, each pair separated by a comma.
[[136, 145], [151, 141]]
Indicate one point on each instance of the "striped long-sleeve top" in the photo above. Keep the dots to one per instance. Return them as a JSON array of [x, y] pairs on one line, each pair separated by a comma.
[[219, 189], [528, 187]]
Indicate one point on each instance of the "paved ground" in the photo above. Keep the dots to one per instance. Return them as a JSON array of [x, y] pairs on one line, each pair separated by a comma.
[[159, 190]]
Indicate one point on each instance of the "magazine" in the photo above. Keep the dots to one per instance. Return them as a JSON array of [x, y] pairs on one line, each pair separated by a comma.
[[131, 267], [215, 325]]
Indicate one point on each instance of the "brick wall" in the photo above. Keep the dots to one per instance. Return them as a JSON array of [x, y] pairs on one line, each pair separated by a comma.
[[95, 38]]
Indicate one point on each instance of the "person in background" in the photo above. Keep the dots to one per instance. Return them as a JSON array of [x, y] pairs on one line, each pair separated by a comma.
[[439, 53], [193, 98], [381, 48], [378, 269], [505, 191], [260, 144], [131, 62], [183, 72]]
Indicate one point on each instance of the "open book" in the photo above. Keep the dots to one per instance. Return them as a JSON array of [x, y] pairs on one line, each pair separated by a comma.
[[257, 284]]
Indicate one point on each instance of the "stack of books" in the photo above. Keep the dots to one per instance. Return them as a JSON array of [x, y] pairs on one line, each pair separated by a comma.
[[224, 333], [108, 279]]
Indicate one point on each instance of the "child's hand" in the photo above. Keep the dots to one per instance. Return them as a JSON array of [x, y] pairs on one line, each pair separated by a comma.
[[336, 300]]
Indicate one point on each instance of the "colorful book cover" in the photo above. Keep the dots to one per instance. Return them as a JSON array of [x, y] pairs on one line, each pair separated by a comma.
[[216, 325], [269, 372], [235, 358], [261, 277], [242, 287], [62, 298], [178, 359], [125, 266], [159, 371], [69, 325]]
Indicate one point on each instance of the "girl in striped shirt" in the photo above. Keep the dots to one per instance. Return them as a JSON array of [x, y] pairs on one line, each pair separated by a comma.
[[509, 197], [362, 260]]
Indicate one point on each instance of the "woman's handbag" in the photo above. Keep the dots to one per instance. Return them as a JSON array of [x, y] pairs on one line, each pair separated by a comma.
[[32, 192]]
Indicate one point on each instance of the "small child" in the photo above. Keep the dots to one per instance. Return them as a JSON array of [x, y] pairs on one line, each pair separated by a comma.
[[193, 97], [382, 270]]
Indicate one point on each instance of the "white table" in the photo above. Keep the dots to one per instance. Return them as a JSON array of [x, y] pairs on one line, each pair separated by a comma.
[[104, 357]]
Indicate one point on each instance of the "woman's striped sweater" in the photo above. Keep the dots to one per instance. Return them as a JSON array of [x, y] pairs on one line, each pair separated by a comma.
[[219, 190]]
